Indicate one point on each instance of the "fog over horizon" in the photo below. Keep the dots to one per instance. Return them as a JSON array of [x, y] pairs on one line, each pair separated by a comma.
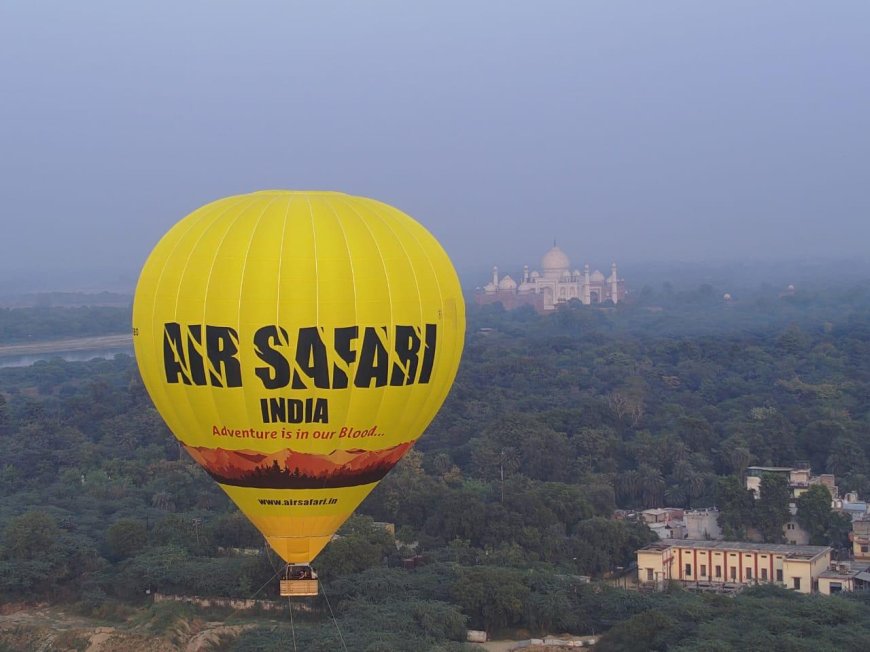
[[645, 133]]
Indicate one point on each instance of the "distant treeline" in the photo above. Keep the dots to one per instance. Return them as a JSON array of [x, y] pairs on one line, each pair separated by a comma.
[[66, 300], [19, 325]]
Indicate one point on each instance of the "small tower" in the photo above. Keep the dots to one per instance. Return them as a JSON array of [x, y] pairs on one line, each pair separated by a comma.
[[587, 289], [525, 273], [614, 284], [495, 275]]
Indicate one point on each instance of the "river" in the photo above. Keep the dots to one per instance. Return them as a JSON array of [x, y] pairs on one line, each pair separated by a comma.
[[71, 350]]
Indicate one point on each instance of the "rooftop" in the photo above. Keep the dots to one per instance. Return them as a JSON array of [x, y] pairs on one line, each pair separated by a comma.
[[846, 570], [770, 469], [786, 550]]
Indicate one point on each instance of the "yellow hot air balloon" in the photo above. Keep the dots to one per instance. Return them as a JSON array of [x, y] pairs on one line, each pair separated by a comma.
[[297, 344]]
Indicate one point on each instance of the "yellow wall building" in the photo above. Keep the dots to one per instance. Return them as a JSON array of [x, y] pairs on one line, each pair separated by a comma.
[[732, 563], [844, 577], [861, 539]]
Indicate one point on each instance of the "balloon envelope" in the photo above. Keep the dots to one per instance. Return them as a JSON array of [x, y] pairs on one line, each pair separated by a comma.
[[297, 344]]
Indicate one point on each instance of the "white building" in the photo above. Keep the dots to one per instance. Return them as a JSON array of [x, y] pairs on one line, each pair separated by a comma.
[[555, 284]]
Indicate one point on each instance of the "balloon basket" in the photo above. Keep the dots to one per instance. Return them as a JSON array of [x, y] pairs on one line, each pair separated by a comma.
[[298, 581]]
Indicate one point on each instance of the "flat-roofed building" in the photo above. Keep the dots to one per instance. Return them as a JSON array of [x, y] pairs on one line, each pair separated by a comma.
[[731, 564], [844, 577], [852, 506], [800, 479]]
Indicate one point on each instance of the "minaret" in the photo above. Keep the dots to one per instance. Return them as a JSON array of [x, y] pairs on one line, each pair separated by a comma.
[[614, 286], [587, 290], [495, 275], [525, 273]]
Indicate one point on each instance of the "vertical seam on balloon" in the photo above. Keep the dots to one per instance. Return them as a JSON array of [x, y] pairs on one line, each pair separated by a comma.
[[415, 388], [207, 214], [441, 302], [159, 387], [351, 387], [281, 260], [316, 282], [242, 282], [447, 379], [195, 245], [289, 200], [314, 530], [247, 254], [250, 200], [350, 262], [356, 212], [308, 533]]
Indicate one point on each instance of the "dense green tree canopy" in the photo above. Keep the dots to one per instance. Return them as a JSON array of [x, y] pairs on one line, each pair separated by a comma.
[[505, 503]]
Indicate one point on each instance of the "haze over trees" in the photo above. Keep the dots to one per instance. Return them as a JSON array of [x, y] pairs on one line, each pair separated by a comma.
[[554, 422]]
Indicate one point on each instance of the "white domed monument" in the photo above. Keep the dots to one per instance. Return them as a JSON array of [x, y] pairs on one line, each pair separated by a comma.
[[554, 285]]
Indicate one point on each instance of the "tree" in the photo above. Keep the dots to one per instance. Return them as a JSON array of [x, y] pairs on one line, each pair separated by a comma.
[[816, 438], [735, 507], [847, 457], [545, 455], [29, 536], [493, 597], [738, 458], [126, 537], [37, 557], [814, 514], [627, 405], [652, 485], [234, 530], [495, 463], [162, 500], [599, 545], [771, 508], [628, 487], [696, 433], [361, 545], [647, 631], [4, 414]]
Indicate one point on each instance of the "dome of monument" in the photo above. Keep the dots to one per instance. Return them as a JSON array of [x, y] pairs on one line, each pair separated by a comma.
[[554, 263]]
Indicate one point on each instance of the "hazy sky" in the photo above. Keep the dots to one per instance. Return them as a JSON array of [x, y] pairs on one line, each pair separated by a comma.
[[646, 130]]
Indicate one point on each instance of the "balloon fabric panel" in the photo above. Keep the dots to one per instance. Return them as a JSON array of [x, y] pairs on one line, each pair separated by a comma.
[[297, 344]]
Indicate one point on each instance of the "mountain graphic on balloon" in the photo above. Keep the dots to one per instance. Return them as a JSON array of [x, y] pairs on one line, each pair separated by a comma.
[[289, 469]]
